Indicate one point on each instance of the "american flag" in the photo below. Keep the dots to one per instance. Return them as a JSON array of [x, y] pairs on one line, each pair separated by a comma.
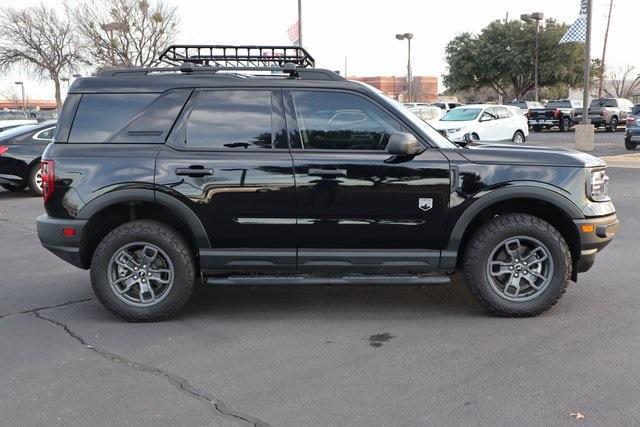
[[577, 33], [293, 32]]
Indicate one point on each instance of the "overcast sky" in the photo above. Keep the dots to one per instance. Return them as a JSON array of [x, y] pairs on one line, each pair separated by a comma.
[[363, 30]]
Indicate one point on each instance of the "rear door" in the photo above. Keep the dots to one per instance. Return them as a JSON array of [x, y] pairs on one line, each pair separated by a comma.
[[357, 205], [228, 160]]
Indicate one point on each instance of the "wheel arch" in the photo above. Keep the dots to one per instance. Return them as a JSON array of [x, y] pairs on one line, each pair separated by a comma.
[[113, 209], [543, 203]]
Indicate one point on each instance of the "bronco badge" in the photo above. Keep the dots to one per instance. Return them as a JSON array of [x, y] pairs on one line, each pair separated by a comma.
[[425, 203]]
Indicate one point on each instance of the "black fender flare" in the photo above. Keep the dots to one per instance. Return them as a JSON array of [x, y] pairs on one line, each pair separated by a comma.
[[543, 193], [173, 205]]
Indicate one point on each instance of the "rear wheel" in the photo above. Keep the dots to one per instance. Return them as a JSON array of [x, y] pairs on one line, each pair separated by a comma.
[[34, 180], [518, 137], [13, 188], [613, 125], [565, 124], [517, 265], [630, 145], [143, 271]]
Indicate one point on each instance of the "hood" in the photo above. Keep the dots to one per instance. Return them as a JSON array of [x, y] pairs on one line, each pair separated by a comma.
[[440, 125], [535, 156]]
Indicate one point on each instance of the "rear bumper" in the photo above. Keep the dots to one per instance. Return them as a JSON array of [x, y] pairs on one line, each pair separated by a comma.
[[592, 242], [544, 122], [52, 238], [633, 134]]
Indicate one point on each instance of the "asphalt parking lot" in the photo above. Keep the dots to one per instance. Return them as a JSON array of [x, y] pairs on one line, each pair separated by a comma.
[[606, 143], [318, 356]]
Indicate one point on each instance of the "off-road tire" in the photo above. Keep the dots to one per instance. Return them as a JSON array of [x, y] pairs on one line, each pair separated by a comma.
[[31, 179], [13, 188], [489, 236], [630, 145], [164, 237]]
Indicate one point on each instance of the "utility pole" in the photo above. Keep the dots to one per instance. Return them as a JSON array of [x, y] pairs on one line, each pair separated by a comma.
[[604, 51], [535, 16], [587, 67], [300, 23], [345, 68]]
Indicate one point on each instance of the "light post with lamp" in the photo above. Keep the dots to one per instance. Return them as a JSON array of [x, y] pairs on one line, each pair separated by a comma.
[[24, 101], [407, 37], [528, 17]]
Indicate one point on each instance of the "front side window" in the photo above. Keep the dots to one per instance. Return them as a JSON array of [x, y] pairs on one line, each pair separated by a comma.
[[502, 113], [230, 119], [341, 121], [489, 114]]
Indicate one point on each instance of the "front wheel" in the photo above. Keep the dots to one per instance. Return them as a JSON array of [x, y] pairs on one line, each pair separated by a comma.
[[517, 265], [143, 271], [518, 137]]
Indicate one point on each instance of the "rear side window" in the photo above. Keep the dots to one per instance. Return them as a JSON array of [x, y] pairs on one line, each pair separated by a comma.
[[636, 110], [100, 116], [230, 119]]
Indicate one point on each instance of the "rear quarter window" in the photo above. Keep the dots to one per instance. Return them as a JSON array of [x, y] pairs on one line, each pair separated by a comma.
[[101, 116]]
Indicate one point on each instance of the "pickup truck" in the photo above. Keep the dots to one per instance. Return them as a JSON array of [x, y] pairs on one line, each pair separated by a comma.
[[607, 112], [558, 113]]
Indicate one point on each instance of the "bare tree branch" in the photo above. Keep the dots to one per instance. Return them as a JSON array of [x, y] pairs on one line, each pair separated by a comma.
[[622, 83], [125, 33], [40, 40]]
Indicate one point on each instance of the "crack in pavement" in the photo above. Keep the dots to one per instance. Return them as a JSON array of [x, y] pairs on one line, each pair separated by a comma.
[[32, 310], [214, 405]]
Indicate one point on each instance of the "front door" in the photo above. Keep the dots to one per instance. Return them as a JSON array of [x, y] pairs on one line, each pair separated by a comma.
[[228, 160], [357, 205]]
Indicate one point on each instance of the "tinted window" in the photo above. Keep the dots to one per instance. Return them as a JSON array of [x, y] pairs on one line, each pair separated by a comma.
[[100, 116], [559, 104], [603, 103], [45, 134], [223, 119], [341, 121]]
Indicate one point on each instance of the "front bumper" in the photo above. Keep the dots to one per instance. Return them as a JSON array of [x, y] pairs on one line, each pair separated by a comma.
[[595, 234], [50, 233]]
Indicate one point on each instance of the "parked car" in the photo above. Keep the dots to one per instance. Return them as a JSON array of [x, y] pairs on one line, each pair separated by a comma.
[[301, 177], [632, 134], [560, 113], [446, 106], [427, 113], [607, 112], [415, 104], [484, 122], [14, 118], [20, 153], [526, 106]]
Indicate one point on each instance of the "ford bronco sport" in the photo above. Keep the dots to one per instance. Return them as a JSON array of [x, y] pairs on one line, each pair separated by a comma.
[[247, 166]]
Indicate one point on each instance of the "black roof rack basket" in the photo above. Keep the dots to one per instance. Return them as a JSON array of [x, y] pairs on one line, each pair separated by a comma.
[[237, 56]]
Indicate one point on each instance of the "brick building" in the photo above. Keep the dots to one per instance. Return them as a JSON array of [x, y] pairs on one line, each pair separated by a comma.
[[424, 88]]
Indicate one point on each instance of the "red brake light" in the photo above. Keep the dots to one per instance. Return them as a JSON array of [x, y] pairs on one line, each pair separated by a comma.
[[68, 231], [48, 178], [556, 113], [3, 149], [631, 119], [604, 112]]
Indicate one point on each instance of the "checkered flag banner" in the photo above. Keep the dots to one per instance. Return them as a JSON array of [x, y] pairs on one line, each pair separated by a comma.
[[577, 33]]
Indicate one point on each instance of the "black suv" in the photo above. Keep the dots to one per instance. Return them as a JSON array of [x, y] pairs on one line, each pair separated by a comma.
[[246, 166]]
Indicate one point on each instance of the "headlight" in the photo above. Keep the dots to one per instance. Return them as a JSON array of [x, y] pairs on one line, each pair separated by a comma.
[[598, 186]]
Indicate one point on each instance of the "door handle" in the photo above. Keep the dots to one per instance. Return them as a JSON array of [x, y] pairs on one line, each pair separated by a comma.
[[328, 173], [194, 171]]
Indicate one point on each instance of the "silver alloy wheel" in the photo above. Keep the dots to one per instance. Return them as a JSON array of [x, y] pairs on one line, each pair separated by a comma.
[[140, 274], [39, 178], [518, 138], [520, 268]]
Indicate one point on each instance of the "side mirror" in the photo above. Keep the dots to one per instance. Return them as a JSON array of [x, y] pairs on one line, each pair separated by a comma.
[[404, 144]]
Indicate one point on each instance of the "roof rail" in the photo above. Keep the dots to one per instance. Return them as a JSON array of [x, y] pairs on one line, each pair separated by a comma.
[[237, 56]]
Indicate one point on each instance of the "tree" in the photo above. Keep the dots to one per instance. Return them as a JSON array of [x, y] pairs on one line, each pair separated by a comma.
[[501, 57], [622, 83], [39, 40], [125, 33]]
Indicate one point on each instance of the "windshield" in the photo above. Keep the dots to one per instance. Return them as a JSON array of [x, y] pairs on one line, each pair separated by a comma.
[[461, 115], [434, 136]]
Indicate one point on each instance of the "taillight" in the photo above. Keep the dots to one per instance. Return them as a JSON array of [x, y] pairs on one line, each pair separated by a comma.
[[631, 119], [556, 113], [48, 178], [604, 113], [3, 149]]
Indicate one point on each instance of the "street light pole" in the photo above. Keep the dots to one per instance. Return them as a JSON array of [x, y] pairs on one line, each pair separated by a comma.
[[535, 16], [24, 101], [408, 37], [587, 68]]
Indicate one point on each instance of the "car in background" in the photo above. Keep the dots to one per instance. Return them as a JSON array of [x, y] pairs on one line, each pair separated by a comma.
[[526, 106], [446, 106], [632, 134], [483, 122], [415, 104], [427, 113], [14, 118], [21, 149], [559, 113], [607, 112]]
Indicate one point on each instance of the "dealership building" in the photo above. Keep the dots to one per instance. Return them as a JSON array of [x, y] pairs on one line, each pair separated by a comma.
[[424, 88]]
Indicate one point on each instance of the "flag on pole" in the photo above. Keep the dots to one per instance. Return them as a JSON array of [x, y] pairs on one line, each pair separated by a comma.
[[294, 33], [577, 33]]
